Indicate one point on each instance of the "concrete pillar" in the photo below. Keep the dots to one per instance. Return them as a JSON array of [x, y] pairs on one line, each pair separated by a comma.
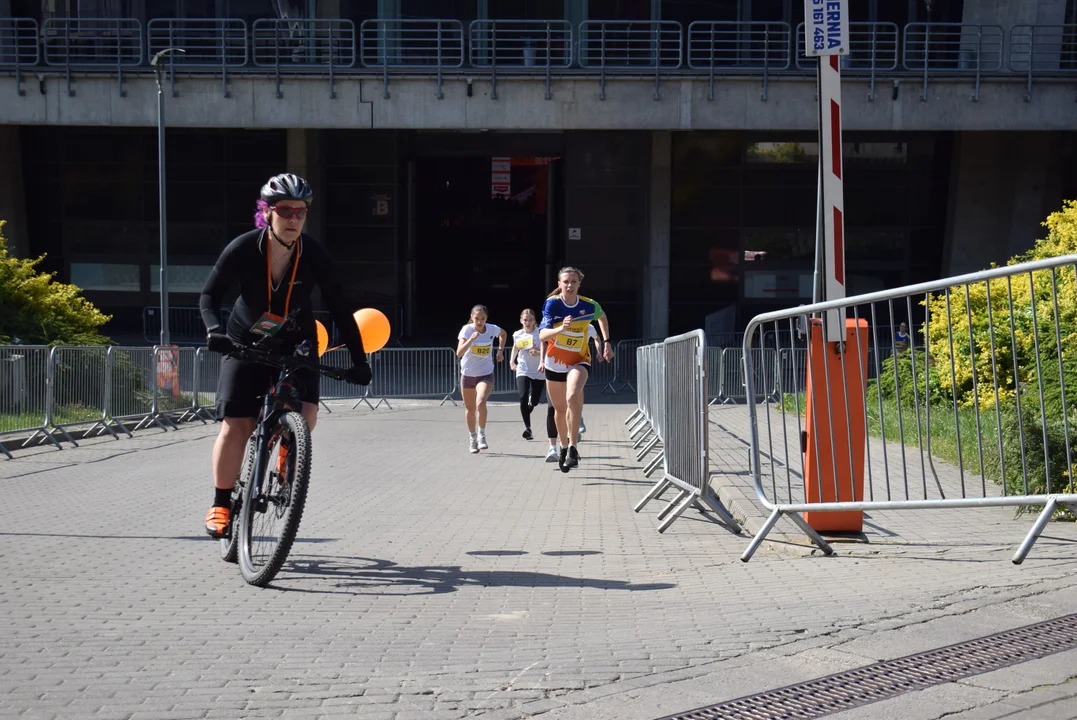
[[12, 196], [1002, 186], [656, 273], [304, 159]]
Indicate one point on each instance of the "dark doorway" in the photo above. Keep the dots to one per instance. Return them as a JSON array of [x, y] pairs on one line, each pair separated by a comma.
[[474, 247]]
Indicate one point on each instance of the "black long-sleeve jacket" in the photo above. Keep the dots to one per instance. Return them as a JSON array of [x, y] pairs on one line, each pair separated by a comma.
[[244, 262]]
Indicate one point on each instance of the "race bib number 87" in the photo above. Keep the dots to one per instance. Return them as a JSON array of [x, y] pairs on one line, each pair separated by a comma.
[[569, 342]]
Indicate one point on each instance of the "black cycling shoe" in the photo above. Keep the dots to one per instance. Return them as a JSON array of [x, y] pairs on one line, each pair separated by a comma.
[[573, 457], [562, 460], [528, 435]]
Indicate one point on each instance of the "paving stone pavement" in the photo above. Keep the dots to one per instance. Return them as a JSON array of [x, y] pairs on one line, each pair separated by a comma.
[[430, 583]]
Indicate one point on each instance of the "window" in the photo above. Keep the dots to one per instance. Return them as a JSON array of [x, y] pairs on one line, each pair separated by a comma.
[[181, 278], [105, 276]]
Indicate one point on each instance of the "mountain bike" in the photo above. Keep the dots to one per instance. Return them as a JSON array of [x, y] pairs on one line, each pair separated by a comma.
[[268, 500]]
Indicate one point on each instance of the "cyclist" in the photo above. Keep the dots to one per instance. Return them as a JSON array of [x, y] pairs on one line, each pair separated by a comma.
[[565, 318], [526, 361], [276, 267], [474, 345]]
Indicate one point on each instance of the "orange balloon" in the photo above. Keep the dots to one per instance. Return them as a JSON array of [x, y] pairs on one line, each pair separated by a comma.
[[373, 327], [323, 337]]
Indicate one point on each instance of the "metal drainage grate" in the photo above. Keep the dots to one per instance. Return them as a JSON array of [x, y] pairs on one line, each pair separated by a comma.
[[884, 680]]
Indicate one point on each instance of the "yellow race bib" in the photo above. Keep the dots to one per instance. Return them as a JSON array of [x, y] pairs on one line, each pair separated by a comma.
[[481, 350], [569, 342], [524, 342]]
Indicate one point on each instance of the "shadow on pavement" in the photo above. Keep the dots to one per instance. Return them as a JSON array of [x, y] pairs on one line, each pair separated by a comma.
[[371, 576]]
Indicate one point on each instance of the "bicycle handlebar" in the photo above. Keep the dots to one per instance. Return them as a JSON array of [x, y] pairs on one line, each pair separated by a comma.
[[284, 361]]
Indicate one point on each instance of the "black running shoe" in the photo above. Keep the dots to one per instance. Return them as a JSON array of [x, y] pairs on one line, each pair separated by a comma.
[[573, 457], [528, 435], [562, 460]]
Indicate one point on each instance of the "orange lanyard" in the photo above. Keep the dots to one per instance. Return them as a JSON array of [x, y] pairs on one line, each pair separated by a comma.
[[269, 279]]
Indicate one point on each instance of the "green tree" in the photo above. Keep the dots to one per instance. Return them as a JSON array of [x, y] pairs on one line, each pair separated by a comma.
[[40, 311]]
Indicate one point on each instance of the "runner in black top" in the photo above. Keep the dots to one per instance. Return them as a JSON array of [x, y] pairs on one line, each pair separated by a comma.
[[277, 268]]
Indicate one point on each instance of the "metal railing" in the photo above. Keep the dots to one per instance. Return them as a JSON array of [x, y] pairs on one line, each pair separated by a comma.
[[411, 43], [512, 44], [530, 47], [19, 46], [732, 47], [739, 46], [300, 44], [872, 47], [943, 49], [674, 405], [82, 42], [630, 45], [207, 43], [975, 412], [1043, 51]]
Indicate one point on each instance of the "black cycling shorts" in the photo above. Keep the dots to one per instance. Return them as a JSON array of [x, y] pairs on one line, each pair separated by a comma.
[[554, 376], [242, 385]]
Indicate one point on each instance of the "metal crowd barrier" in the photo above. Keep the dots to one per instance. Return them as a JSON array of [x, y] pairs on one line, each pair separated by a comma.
[[674, 374], [649, 424], [24, 389], [624, 364], [1042, 50], [732, 387], [413, 373], [975, 413], [47, 392]]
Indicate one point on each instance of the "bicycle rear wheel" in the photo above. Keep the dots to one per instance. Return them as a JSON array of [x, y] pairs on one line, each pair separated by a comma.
[[230, 542], [273, 502]]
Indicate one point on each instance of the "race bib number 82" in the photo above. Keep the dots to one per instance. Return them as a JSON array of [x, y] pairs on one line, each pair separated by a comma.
[[481, 350]]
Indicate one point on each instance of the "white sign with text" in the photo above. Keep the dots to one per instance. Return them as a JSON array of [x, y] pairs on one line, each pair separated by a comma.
[[826, 27]]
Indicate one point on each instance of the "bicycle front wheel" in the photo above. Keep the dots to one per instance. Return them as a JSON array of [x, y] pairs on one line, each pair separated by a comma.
[[273, 501]]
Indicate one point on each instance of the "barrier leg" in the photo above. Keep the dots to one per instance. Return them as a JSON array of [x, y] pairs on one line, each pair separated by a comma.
[[362, 400], [322, 403], [653, 465], [711, 500], [1034, 533], [644, 437], [6, 452], [761, 535], [448, 397], [660, 487], [650, 446], [681, 496], [815, 537], [677, 511], [609, 386], [632, 418], [123, 428], [382, 400]]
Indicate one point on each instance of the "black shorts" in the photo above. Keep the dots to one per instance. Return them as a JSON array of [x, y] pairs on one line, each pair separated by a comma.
[[242, 385], [554, 376]]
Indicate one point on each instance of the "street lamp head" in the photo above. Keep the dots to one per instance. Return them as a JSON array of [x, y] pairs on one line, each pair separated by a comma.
[[166, 51]]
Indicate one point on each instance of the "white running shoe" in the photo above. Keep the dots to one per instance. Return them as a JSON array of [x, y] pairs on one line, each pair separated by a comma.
[[583, 426], [473, 445], [483, 445], [551, 454]]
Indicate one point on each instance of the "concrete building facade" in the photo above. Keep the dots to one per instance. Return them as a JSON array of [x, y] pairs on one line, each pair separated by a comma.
[[462, 151]]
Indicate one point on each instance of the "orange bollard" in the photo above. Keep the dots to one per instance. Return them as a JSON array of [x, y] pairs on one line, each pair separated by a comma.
[[836, 430]]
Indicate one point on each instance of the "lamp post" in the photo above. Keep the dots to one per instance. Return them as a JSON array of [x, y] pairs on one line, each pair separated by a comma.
[[155, 61]]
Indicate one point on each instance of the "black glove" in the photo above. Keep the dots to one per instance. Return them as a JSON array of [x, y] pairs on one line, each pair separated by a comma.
[[358, 374], [220, 343]]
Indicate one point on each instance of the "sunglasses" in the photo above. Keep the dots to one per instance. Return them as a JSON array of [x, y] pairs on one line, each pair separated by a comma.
[[289, 212]]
